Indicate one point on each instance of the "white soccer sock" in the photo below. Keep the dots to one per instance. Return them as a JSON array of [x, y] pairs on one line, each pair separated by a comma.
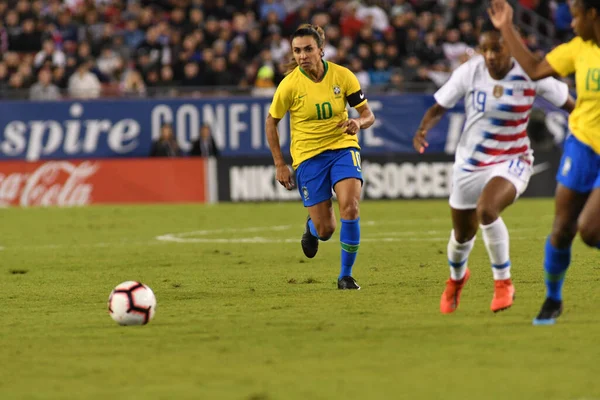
[[458, 254], [495, 237]]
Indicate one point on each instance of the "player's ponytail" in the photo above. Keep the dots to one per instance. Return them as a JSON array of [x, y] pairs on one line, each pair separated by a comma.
[[306, 30]]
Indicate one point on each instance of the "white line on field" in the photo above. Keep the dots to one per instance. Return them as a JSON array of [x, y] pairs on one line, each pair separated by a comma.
[[235, 230], [205, 236], [434, 232], [264, 240], [165, 240], [413, 236]]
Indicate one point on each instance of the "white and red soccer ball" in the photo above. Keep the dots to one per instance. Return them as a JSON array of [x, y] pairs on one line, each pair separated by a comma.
[[132, 303]]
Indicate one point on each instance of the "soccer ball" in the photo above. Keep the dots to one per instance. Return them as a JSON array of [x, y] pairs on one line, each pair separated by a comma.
[[131, 303]]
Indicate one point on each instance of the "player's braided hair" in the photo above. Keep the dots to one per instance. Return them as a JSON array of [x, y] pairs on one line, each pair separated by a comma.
[[306, 30]]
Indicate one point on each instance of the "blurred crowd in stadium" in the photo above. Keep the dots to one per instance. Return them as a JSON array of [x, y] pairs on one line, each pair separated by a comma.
[[90, 48]]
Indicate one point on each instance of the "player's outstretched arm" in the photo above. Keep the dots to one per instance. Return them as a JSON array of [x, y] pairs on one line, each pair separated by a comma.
[[282, 171], [430, 119], [501, 15]]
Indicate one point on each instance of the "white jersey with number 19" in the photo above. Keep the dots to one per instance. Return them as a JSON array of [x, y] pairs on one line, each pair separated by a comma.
[[497, 112]]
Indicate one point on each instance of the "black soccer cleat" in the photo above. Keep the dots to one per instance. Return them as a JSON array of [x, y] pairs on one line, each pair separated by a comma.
[[310, 244], [551, 309], [347, 282]]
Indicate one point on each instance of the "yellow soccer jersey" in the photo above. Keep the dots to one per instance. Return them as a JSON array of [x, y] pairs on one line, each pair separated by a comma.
[[316, 108], [583, 59]]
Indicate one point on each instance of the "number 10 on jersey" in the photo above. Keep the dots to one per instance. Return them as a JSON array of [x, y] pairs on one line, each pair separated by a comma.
[[324, 110]]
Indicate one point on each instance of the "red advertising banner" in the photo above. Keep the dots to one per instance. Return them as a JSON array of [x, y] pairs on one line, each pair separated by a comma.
[[82, 182]]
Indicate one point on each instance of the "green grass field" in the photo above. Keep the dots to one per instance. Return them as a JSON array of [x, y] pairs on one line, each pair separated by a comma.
[[243, 315]]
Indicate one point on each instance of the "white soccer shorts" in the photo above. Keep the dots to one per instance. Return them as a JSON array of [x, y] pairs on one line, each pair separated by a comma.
[[467, 186]]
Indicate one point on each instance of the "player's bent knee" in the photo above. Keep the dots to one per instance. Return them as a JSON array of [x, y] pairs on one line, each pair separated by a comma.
[[590, 238], [486, 214], [463, 237], [325, 232], [325, 227], [589, 234]]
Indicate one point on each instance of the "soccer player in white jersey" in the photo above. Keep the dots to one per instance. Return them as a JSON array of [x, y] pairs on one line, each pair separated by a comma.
[[493, 161]]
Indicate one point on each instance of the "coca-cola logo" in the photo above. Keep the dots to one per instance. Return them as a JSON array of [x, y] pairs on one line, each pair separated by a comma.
[[54, 183]]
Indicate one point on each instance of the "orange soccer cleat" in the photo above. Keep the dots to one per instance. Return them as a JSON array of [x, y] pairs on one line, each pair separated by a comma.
[[451, 295], [504, 294]]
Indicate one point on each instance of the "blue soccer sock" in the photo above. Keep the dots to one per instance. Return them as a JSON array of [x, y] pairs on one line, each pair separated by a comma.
[[313, 230], [556, 262], [350, 241]]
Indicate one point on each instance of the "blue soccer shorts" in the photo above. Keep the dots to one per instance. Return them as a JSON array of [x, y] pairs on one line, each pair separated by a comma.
[[579, 166], [317, 176]]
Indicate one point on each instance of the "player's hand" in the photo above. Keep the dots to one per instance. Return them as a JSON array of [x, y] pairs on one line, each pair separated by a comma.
[[419, 142], [350, 126], [501, 13], [283, 174]]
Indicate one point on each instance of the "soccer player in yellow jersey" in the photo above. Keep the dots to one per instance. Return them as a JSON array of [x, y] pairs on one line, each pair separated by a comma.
[[324, 146], [577, 200]]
